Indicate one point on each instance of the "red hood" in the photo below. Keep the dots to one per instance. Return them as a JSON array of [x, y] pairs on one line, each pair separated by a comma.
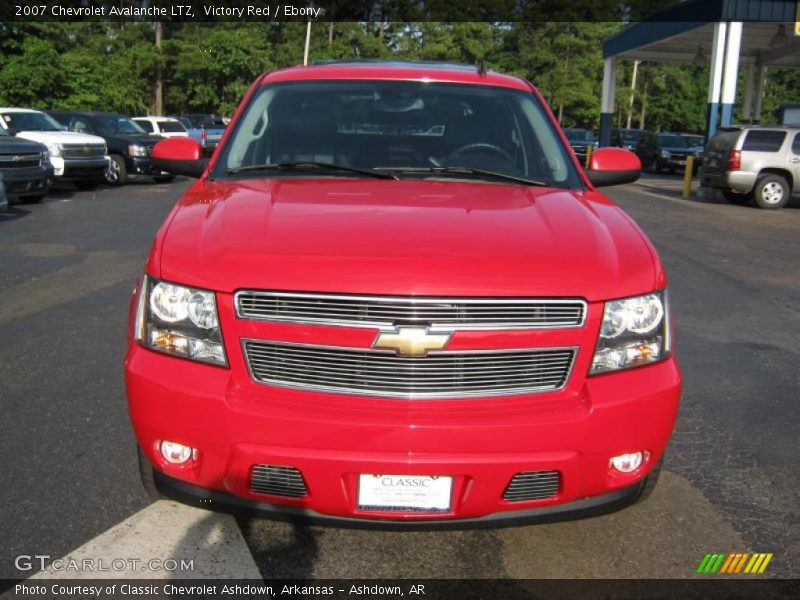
[[404, 237]]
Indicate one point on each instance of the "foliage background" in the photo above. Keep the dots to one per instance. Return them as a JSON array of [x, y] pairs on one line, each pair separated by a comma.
[[207, 67]]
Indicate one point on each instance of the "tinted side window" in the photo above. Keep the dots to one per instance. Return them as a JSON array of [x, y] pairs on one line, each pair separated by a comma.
[[763, 141], [796, 144], [146, 125]]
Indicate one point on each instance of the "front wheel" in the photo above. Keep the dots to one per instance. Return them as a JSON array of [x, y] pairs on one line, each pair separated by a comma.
[[654, 166], [772, 191], [116, 173]]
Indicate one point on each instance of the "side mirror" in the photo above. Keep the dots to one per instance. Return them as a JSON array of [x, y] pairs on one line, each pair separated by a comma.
[[179, 156], [613, 166]]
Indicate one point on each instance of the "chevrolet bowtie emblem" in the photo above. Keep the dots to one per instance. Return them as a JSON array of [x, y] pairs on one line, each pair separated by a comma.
[[411, 341]]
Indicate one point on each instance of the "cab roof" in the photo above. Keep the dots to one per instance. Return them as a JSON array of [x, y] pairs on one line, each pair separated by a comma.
[[397, 71]]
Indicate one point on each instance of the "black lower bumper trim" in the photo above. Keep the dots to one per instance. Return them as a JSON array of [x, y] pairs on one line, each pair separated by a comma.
[[221, 501]]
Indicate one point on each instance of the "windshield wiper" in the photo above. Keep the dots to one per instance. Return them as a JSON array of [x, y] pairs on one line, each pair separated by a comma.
[[310, 166], [464, 171]]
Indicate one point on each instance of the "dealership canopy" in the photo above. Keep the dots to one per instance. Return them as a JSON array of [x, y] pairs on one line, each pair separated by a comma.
[[725, 34]]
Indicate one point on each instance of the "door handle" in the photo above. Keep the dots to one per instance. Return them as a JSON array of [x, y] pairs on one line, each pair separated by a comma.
[[794, 160]]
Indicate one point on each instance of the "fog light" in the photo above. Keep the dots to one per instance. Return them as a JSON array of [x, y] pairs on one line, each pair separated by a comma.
[[175, 453], [627, 463]]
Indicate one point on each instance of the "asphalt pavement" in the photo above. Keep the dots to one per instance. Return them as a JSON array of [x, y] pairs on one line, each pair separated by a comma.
[[67, 268]]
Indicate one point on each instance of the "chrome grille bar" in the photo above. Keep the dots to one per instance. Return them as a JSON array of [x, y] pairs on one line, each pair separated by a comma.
[[277, 481], [390, 311], [82, 150], [532, 485], [441, 374]]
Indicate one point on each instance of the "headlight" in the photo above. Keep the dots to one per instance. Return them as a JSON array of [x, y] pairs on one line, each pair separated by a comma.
[[136, 150], [665, 154], [54, 149], [179, 320], [634, 332]]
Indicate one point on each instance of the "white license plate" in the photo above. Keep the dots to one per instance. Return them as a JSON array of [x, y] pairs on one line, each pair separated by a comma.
[[410, 492]]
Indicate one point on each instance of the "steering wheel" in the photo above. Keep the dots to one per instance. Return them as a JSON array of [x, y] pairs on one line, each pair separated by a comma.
[[480, 146]]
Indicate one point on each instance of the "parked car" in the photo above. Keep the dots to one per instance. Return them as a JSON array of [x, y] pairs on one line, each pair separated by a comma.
[[128, 145], [694, 140], [26, 168], [166, 127], [581, 140], [207, 129], [77, 157], [3, 197], [626, 138], [761, 162], [664, 151], [406, 303]]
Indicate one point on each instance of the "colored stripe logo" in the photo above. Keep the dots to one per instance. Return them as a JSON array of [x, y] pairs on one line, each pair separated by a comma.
[[737, 562]]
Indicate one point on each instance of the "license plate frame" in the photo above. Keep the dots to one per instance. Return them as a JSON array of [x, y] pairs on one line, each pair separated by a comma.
[[405, 493]]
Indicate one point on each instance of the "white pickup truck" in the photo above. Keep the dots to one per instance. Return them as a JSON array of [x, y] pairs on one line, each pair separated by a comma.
[[77, 157]]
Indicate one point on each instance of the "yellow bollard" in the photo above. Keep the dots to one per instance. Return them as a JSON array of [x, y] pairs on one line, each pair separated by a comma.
[[687, 177], [589, 150]]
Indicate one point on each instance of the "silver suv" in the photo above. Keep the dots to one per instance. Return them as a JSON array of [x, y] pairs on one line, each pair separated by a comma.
[[754, 162]]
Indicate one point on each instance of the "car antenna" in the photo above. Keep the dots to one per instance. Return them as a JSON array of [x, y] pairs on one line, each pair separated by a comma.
[[481, 67]]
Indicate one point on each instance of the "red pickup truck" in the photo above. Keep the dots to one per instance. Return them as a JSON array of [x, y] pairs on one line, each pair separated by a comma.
[[393, 296]]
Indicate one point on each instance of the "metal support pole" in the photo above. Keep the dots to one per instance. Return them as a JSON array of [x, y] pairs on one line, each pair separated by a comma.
[[308, 43], [607, 100], [715, 79], [733, 42], [761, 81]]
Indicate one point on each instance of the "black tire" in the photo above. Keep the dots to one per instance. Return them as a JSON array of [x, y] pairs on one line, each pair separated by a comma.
[[116, 173], [31, 199], [87, 186], [772, 191], [164, 178], [654, 166], [146, 474], [650, 482], [737, 197]]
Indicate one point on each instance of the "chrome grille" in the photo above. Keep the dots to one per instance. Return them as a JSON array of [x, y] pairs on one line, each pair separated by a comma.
[[19, 161], [382, 311], [441, 374], [532, 485], [277, 481], [82, 150]]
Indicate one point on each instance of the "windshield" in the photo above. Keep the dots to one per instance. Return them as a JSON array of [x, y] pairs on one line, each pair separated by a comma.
[[112, 124], [579, 135], [631, 135], [170, 126], [30, 121], [3, 133], [205, 121], [390, 125], [672, 141]]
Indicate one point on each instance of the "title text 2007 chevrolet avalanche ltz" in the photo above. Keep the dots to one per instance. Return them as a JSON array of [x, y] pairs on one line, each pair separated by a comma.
[[393, 296]]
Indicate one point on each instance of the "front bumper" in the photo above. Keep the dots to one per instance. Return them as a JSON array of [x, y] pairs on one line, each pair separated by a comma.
[[578, 509], [331, 439], [80, 169], [28, 181]]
